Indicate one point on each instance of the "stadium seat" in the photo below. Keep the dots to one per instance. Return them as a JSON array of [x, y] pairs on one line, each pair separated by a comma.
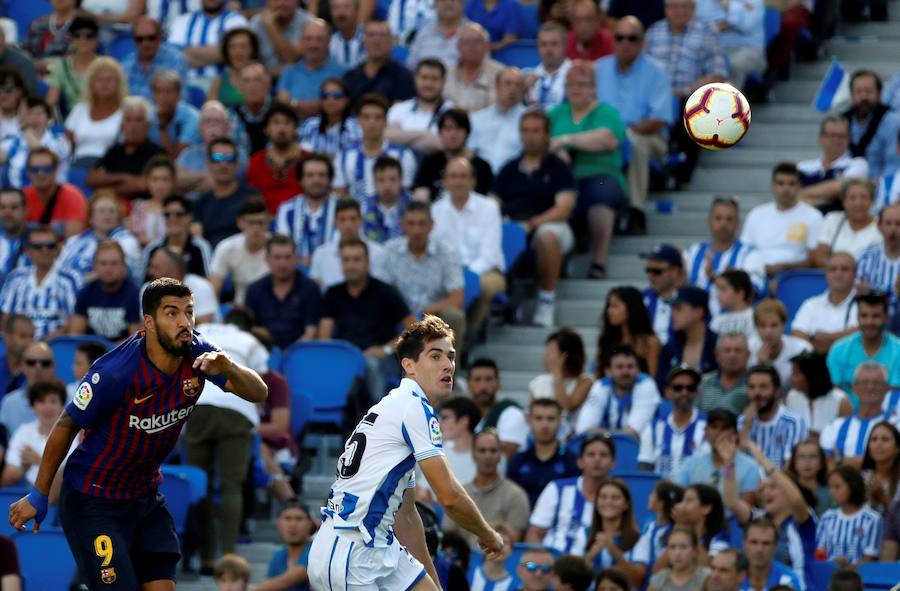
[[400, 53], [45, 560], [472, 287], [821, 573], [627, 448], [772, 24], [275, 359], [195, 476], [8, 496], [796, 286], [514, 243], [301, 408], [120, 47], [78, 177], [522, 54], [23, 12], [196, 96], [178, 492], [64, 353], [528, 21], [879, 575], [641, 484]]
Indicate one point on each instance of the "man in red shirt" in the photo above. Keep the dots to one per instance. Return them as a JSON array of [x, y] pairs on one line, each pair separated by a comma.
[[274, 170], [62, 206], [588, 39]]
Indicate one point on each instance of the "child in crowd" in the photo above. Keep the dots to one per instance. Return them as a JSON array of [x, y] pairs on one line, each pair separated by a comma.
[[771, 346], [684, 572], [571, 573], [611, 579], [287, 569], [614, 531], [734, 290], [232, 573], [703, 511], [492, 574], [655, 532], [849, 534], [809, 467]]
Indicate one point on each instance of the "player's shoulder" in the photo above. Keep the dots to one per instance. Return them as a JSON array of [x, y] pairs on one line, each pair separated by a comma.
[[117, 362], [200, 345]]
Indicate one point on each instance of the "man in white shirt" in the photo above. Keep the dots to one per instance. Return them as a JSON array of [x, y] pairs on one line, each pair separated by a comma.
[[495, 130], [504, 416], [472, 224], [822, 177], [242, 256], [414, 122], [165, 262], [198, 35], [325, 268], [470, 79], [827, 317], [786, 230], [547, 82]]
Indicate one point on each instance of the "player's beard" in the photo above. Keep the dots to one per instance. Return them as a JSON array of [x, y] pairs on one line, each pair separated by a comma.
[[177, 348]]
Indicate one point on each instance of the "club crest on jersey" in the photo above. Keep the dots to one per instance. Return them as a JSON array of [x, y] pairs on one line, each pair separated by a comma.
[[191, 387], [108, 575], [83, 396], [434, 427]]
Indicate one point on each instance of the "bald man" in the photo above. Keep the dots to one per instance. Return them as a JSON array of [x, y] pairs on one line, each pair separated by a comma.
[[300, 83]]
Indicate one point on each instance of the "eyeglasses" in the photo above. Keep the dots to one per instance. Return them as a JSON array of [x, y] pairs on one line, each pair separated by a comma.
[[42, 245], [332, 95], [9, 88], [84, 35], [145, 38], [630, 38], [174, 214], [220, 157], [47, 169], [870, 383], [534, 567], [683, 387], [654, 270], [42, 362]]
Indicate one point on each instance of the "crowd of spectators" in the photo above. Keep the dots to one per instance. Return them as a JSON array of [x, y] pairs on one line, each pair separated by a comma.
[[331, 172]]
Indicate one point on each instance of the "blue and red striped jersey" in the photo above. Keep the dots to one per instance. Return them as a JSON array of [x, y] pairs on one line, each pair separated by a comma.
[[132, 415]]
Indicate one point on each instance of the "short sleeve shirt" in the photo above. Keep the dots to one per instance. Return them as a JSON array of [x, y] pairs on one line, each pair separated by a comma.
[[588, 164], [70, 205], [279, 565], [288, 318], [353, 317], [109, 314], [524, 194]]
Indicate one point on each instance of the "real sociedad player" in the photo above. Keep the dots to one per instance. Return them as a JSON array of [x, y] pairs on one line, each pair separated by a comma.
[[131, 404]]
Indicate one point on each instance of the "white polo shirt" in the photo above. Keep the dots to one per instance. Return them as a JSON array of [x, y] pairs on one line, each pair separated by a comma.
[[782, 236], [817, 314], [410, 117]]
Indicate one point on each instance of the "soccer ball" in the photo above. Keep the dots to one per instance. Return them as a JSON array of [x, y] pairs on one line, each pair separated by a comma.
[[717, 116]]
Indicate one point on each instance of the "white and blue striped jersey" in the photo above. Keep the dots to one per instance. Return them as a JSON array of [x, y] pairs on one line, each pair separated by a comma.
[[309, 230], [378, 463], [566, 514], [12, 254], [77, 254], [878, 271], [777, 436], [347, 52], [665, 445], [17, 151], [48, 304], [480, 582], [852, 536], [166, 11], [548, 90], [335, 138], [406, 16], [891, 406], [353, 169], [846, 437], [605, 559], [652, 543], [660, 311], [604, 409], [739, 256], [197, 29], [888, 191]]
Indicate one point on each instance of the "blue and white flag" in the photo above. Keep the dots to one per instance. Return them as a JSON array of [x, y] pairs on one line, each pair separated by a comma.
[[834, 93]]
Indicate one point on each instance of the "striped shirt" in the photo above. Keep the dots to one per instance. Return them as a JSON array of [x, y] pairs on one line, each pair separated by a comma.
[[660, 315], [689, 55], [341, 136], [875, 268], [406, 16], [853, 536], [846, 437], [12, 254], [548, 90], [606, 409], [738, 256], [652, 543], [566, 514], [166, 11], [309, 229], [777, 436], [48, 304], [480, 582], [665, 446], [888, 191], [77, 254], [347, 52], [353, 169], [380, 223], [17, 151], [197, 29]]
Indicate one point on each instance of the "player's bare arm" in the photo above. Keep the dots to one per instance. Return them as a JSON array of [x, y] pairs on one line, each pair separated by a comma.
[[411, 533], [242, 381], [459, 506], [34, 505]]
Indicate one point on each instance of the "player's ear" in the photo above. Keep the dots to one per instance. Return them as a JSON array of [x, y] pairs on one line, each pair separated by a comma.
[[408, 366], [148, 323]]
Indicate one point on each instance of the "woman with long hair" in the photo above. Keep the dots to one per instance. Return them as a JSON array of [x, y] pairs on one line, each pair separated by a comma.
[[239, 47], [881, 466], [808, 466], [614, 531], [655, 532], [334, 128], [565, 379], [626, 321], [685, 572], [812, 395], [702, 510], [94, 123]]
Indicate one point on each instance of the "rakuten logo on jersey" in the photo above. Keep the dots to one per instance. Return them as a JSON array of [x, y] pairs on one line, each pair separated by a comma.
[[158, 423]]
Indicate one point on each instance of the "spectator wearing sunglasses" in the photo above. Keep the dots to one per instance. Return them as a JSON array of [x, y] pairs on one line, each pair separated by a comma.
[[38, 366], [195, 250], [150, 56], [216, 212], [67, 75], [693, 342], [534, 570], [48, 202], [334, 128]]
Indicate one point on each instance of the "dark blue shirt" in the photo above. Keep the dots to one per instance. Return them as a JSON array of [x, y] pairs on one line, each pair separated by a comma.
[[532, 474], [285, 319], [109, 313], [523, 194], [132, 414], [671, 355]]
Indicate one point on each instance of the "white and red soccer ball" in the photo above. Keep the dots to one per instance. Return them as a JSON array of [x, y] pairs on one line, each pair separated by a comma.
[[717, 116]]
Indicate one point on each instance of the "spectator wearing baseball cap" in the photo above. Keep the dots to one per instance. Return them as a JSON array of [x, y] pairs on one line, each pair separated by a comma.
[[665, 273], [693, 342]]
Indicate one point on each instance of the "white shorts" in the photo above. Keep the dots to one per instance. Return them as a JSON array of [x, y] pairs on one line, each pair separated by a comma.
[[340, 561], [561, 230]]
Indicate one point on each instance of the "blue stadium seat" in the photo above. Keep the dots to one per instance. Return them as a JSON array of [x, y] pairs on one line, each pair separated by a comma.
[[78, 177], [276, 359], [178, 492], [301, 408], [8, 496], [120, 47], [400, 53], [195, 476], [25, 11], [472, 288], [522, 54], [64, 353], [514, 243], [528, 21], [627, 448], [821, 573], [879, 575], [772, 24], [641, 484], [796, 286], [195, 96], [45, 560]]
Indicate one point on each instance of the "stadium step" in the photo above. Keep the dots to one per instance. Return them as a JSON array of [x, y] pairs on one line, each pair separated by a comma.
[[784, 134], [817, 70], [860, 50]]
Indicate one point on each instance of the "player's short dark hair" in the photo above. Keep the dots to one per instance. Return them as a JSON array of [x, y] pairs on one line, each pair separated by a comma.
[[604, 438], [280, 240], [485, 362], [767, 370], [373, 99], [93, 350], [347, 203], [435, 64], [157, 289], [180, 200], [845, 579], [240, 316], [545, 402], [412, 342], [354, 241], [740, 281], [873, 298], [315, 157], [762, 523], [457, 116], [385, 162], [463, 407], [40, 390], [855, 483], [785, 168], [233, 566], [251, 206], [282, 109], [417, 206], [574, 572], [614, 576]]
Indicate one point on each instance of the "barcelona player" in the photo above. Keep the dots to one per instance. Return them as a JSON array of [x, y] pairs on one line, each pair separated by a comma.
[[131, 405]]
